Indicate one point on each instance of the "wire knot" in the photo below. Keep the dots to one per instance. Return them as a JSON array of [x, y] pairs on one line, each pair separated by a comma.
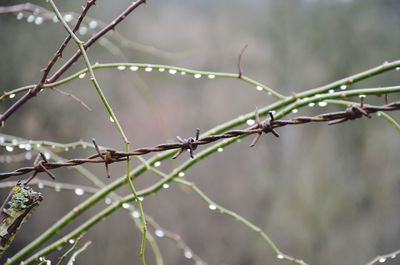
[[266, 126], [39, 166], [353, 112], [188, 144]]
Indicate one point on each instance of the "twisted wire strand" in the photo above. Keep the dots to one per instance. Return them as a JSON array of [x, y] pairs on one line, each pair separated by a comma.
[[109, 156]]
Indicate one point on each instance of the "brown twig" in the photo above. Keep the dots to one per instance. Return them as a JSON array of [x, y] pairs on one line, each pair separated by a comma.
[[80, 101], [240, 61], [267, 126], [111, 26]]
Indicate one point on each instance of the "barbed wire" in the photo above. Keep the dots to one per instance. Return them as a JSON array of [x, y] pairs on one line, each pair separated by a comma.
[[109, 156]]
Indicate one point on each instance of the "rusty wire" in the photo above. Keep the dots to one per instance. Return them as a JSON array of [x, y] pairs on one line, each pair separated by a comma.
[[109, 156]]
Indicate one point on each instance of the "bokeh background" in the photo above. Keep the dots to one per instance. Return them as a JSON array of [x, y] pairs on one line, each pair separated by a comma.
[[328, 195]]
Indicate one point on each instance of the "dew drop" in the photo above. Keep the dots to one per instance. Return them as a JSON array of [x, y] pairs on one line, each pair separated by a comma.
[[161, 70], [141, 199], [295, 110], [79, 191], [362, 96], [14, 141], [38, 145], [47, 155], [9, 148], [172, 71], [279, 256], [183, 73], [322, 104], [108, 201], [20, 16], [220, 149], [188, 254], [165, 186], [121, 67], [343, 87], [28, 147], [259, 88], [11, 96], [157, 164], [181, 174], [57, 188], [55, 19], [66, 149], [382, 260], [148, 69], [68, 18], [2, 140], [21, 146], [83, 30], [134, 68], [311, 104], [250, 122], [28, 156], [93, 24], [71, 241], [212, 207], [39, 20], [211, 76], [126, 205], [111, 119], [135, 214], [30, 18], [331, 91], [269, 93], [393, 256], [159, 233], [397, 68], [40, 185], [197, 76], [378, 114]]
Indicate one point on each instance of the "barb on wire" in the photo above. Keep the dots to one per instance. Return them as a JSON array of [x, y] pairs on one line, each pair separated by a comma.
[[188, 144], [106, 157], [109, 156], [266, 127], [39, 166]]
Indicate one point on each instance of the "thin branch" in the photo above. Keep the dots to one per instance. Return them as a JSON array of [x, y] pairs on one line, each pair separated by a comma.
[[80, 101]]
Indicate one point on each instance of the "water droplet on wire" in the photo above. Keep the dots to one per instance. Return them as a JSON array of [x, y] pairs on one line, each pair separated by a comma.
[[382, 260], [82, 75], [211, 76], [322, 103], [79, 191], [279, 256], [148, 69], [188, 254], [159, 233], [165, 185], [259, 88], [157, 164], [134, 68], [9, 148], [212, 207], [39, 20], [343, 87], [197, 76], [20, 15], [11, 96], [121, 67], [161, 70], [83, 30], [172, 71], [250, 122], [220, 149], [126, 205], [68, 18], [93, 24], [30, 18], [181, 174]]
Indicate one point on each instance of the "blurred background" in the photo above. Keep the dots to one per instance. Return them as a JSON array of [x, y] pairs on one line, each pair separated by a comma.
[[328, 195]]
